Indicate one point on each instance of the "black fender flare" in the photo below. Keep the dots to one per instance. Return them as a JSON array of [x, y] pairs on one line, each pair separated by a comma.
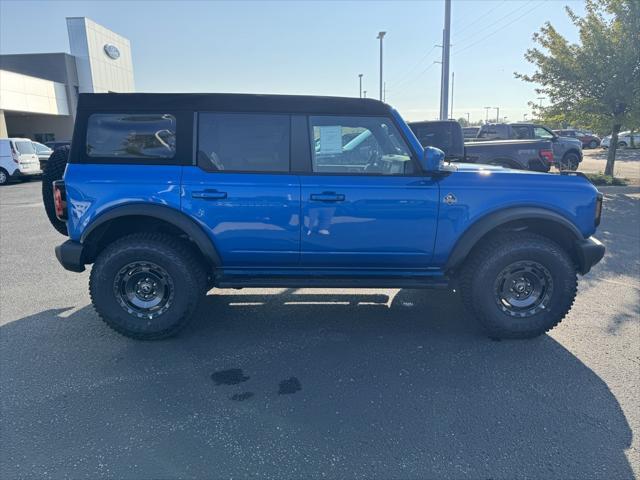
[[161, 212], [494, 220]]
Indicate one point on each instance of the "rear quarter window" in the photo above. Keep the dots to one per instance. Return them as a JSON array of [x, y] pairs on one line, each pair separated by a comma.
[[134, 136]]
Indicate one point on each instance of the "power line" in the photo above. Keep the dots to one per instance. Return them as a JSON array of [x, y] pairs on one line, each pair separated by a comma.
[[476, 20], [418, 63], [466, 37], [502, 27]]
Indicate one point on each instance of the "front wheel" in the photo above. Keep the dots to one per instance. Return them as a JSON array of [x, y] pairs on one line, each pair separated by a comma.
[[147, 286], [519, 285], [569, 162], [593, 144], [4, 177]]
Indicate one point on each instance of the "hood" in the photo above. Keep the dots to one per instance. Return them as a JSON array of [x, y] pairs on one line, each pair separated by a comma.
[[571, 140]]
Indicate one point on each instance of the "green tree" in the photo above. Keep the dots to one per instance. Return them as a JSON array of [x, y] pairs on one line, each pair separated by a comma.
[[596, 82]]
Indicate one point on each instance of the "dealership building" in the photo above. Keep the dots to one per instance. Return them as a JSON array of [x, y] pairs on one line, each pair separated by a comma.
[[39, 92]]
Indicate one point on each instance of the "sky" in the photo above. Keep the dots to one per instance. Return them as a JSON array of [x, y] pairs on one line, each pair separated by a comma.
[[313, 47]]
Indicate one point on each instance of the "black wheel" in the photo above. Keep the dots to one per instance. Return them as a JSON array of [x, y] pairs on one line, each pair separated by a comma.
[[147, 286], [593, 144], [53, 171], [4, 176], [518, 285], [569, 162], [622, 144]]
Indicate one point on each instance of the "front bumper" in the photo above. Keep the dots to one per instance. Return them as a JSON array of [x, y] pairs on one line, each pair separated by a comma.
[[589, 252], [69, 254]]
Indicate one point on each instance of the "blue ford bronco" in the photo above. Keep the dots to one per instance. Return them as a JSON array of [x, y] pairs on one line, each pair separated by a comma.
[[170, 195]]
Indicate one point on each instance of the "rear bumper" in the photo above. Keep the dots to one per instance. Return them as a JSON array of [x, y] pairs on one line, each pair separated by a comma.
[[19, 174], [69, 254], [589, 251]]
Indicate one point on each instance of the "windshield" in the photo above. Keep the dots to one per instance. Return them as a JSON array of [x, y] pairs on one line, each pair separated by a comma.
[[24, 147]]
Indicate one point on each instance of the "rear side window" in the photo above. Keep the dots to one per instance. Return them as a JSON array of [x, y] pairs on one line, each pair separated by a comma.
[[136, 136], [24, 147], [239, 142]]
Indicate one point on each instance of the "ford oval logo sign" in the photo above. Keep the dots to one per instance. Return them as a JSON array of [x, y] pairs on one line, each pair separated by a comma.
[[112, 51]]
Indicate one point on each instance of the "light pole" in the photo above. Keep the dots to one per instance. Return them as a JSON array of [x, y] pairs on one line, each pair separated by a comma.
[[468, 121], [524, 117], [487, 112], [360, 78], [364, 93], [497, 114], [540, 98], [380, 37]]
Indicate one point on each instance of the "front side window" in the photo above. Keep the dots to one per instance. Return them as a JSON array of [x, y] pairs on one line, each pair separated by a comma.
[[239, 142], [363, 145], [137, 136]]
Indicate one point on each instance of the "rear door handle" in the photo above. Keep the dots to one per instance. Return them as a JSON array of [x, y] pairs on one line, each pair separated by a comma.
[[327, 197], [209, 195]]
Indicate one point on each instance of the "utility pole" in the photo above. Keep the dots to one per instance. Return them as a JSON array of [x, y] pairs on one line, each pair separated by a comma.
[[524, 117], [365, 93], [487, 111], [468, 121], [453, 77], [360, 78], [384, 92], [446, 45], [381, 36], [497, 114]]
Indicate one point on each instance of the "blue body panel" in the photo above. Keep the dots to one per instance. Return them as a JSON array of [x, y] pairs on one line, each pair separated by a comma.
[[481, 190], [380, 221], [93, 189], [256, 223]]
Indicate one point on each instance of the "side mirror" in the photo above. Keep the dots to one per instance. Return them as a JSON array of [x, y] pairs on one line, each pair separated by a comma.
[[432, 159]]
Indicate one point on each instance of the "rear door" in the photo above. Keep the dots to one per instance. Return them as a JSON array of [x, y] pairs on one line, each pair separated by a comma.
[[27, 158], [241, 189], [364, 203]]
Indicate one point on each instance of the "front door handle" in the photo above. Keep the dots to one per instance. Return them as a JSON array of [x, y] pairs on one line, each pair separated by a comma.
[[209, 195], [327, 197]]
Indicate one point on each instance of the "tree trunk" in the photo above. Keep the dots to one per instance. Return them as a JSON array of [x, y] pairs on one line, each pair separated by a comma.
[[613, 146]]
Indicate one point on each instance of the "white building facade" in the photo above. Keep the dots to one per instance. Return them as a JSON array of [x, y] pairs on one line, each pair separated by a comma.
[[39, 92]]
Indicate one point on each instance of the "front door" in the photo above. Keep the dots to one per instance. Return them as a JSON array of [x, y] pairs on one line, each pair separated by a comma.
[[241, 189], [364, 205]]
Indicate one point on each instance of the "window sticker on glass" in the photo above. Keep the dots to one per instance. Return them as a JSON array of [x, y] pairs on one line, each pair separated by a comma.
[[330, 139]]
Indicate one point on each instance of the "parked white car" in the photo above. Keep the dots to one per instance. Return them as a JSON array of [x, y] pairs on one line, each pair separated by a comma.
[[43, 153], [18, 159], [624, 140]]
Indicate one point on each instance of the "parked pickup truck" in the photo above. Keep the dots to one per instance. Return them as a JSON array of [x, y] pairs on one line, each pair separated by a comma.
[[170, 195], [567, 151], [447, 135]]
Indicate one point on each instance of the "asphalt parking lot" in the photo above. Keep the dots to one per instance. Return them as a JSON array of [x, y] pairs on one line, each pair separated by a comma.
[[315, 383]]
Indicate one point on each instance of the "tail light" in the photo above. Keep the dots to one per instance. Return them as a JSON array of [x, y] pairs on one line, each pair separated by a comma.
[[598, 209], [60, 200], [14, 154], [547, 155]]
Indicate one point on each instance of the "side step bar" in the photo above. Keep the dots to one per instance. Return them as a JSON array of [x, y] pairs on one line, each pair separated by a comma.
[[331, 282]]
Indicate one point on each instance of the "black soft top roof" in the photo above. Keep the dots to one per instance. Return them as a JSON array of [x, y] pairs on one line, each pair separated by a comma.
[[231, 102]]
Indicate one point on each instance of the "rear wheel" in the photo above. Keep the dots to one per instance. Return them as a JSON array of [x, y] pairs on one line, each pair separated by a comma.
[[593, 144], [54, 170], [147, 286], [519, 285], [4, 176], [622, 144]]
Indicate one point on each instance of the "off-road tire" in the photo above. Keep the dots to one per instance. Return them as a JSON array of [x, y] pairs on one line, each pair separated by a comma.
[[4, 176], [480, 273], [172, 255], [54, 170]]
